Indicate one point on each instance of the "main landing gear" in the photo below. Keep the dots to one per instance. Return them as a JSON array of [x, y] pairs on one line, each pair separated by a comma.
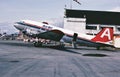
[[48, 43], [38, 44], [74, 45]]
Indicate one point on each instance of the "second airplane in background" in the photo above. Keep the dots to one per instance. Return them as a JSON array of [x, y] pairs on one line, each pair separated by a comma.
[[45, 31]]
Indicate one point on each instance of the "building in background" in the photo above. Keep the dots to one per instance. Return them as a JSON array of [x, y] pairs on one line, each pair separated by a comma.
[[91, 22]]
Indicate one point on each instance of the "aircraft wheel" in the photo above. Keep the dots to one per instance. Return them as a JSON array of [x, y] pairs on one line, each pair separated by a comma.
[[38, 44], [98, 48]]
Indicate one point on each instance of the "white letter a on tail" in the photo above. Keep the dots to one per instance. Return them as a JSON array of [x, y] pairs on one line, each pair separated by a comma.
[[105, 35]]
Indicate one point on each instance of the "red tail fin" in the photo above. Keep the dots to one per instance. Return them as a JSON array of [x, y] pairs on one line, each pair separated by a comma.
[[105, 35]]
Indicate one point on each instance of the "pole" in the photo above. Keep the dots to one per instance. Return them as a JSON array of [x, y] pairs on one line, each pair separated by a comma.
[[70, 4]]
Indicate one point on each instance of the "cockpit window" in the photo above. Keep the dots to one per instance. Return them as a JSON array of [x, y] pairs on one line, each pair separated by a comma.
[[21, 23]]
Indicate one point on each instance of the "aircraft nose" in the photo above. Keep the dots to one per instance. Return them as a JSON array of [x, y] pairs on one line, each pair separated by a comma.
[[19, 27]]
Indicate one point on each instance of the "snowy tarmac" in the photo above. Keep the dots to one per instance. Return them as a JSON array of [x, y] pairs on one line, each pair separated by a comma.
[[19, 59]]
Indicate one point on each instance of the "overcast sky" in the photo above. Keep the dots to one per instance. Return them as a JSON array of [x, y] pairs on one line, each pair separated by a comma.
[[15, 10]]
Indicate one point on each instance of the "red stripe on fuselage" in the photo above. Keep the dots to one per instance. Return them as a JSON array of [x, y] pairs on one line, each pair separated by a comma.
[[32, 25]]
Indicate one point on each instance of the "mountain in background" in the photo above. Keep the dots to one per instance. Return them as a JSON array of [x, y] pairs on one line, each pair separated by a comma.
[[6, 27]]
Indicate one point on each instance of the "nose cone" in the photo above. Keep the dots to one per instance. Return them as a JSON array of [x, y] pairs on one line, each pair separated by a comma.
[[19, 27]]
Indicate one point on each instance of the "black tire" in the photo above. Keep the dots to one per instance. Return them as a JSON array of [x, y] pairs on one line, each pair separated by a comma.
[[98, 48], [38, 44]]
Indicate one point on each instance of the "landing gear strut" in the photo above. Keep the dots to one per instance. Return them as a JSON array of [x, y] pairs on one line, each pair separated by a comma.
[[74, 40]]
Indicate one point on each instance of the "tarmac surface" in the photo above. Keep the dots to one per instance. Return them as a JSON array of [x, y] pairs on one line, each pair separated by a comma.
[[19, 59]]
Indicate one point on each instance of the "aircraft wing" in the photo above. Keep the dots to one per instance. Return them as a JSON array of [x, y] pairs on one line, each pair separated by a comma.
[[55, 35]]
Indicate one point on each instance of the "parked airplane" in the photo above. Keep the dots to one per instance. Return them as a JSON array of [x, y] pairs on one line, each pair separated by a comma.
[[45, 31]]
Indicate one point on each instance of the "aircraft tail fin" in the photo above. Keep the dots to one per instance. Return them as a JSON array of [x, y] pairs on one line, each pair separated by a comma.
[[105, 35]]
